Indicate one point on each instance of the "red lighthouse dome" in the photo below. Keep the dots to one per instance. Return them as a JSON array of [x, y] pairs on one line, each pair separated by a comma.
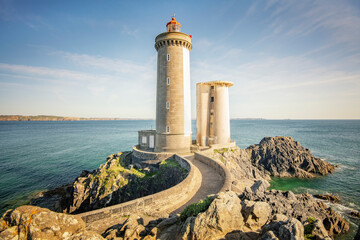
[[173, 25]]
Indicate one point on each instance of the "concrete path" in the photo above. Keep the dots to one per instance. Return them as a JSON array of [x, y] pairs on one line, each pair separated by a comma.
[[211, 183]]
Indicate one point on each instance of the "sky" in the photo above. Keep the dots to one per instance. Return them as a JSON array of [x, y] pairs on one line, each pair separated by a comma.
[[287, 59]]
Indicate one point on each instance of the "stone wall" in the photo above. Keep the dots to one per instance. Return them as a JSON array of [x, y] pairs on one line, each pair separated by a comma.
[[218, 166], [149, 157], [167, 200]]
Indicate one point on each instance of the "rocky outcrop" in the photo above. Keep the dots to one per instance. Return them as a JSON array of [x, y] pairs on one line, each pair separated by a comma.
[[223, 215], [283, 228], [301, 207], [114, 182], [243, 173], [285, 157], [30, 222], [328, 197]]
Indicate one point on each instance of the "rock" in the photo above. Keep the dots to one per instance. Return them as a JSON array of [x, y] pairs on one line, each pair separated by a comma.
[[355, 214], [292, 229], [132, 228], [316, 229], [260, 186], [283, 230], [301, 207], [334, 224], [116, 182], [255, 214], [328, 197], [167, 222], [269, 235], [243, 173], [30, 222], [222, 216], [284, 157], [357, 236]]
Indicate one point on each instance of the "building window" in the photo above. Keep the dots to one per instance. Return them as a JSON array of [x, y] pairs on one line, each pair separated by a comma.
[[168, 81], [212, 99], [167, 105], [143, 140], [168, 57], [167, 129], [212, 87]]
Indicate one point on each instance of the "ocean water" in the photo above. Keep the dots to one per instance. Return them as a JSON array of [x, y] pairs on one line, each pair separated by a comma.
[[41, 155]]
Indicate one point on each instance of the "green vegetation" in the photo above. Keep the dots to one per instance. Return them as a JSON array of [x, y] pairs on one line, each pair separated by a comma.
[[308, 228], [170, 163], [221, 151], [196, 208]]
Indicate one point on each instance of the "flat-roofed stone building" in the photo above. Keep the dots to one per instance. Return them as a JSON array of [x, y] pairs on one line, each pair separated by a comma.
[[212, 113]]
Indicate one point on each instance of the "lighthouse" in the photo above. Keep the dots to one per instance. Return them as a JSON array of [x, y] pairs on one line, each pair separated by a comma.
[[173, 105]]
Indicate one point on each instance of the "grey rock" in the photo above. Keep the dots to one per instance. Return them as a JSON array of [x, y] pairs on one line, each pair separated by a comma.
[[285, 157]]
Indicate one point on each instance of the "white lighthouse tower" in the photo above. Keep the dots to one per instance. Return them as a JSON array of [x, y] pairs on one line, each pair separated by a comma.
[[173, 105]]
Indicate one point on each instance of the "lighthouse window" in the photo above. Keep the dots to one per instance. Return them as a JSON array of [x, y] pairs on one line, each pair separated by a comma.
[[168, 57], [167, 105], [212, 99], [167, 129], [168, 81]]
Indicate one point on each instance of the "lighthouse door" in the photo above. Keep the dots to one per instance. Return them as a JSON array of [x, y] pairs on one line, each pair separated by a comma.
[[151, 141]]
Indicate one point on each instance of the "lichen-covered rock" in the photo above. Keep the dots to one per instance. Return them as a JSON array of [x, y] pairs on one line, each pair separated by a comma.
[[30, 222], [285, 157]]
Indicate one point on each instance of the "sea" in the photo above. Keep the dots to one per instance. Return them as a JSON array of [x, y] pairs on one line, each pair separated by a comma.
[[35, 156]]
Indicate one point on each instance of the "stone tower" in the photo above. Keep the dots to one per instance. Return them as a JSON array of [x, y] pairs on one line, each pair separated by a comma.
[[212, 113], [173, 105]]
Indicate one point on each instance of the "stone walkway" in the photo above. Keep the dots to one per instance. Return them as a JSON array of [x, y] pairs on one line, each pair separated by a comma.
[[211, 183]]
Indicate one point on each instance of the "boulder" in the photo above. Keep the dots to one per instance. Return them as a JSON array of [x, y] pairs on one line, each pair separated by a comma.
[[222, 216], [132, 228], [301, 207], [283, 230], [30, 222], [255, 214]]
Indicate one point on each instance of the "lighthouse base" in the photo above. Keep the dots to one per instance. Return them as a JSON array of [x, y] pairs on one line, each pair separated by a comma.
[[177, 143]]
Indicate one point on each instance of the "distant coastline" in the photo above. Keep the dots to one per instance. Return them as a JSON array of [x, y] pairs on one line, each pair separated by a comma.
[[55, 118]]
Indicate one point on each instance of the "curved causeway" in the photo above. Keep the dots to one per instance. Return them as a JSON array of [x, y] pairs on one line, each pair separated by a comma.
[[211, 182]]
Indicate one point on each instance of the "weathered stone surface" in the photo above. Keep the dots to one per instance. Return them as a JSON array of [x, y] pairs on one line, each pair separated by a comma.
[[243, 173], [114, 182], [255, 214], [355, 214], [30, 222], [357, 236], [222, 216], [301, 207], [285, 157], [328, 197], [283, 230]]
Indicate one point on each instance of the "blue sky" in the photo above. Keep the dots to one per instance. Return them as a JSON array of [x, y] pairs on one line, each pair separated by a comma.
[[288, 59]]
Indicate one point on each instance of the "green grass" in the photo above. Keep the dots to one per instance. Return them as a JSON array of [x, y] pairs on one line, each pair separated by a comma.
[[196, 208]]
